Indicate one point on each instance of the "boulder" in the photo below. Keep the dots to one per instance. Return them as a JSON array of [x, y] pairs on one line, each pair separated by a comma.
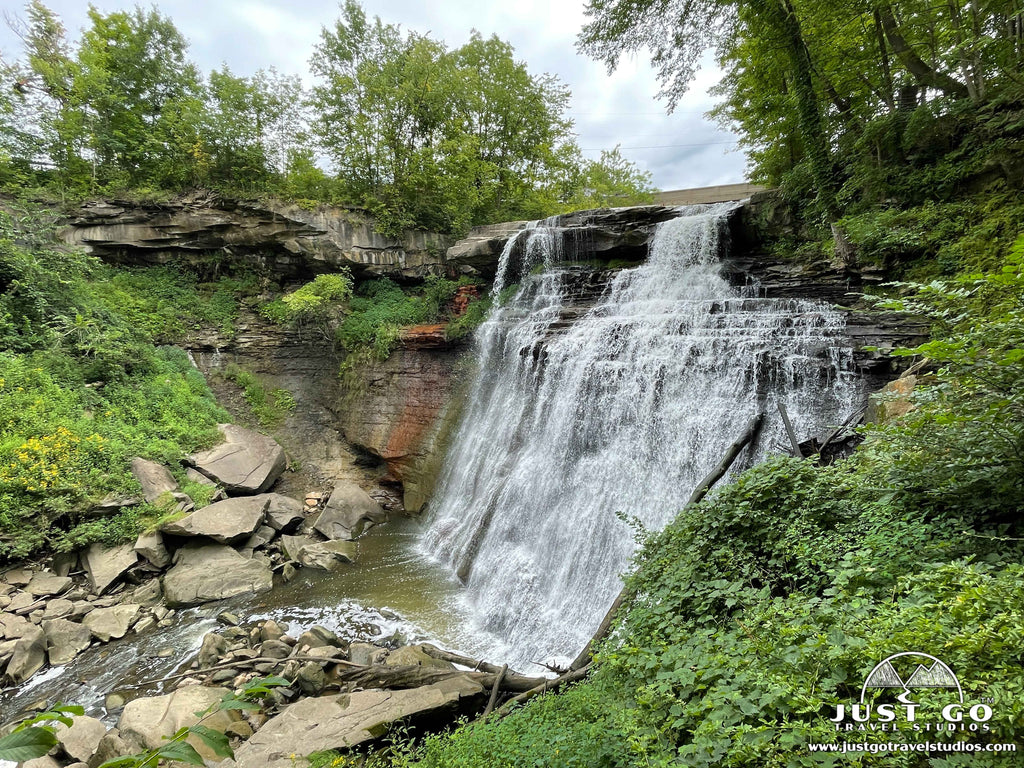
[[105, 565], [111, 623], [271, 630], [146, 723], [13, 627], [311, 678], [110, 746], [328, 555], [148, 594], [893, 401], [205, 572], [283, 512], [346, 721], [44, 584], [58, 608], [29, 655], [154, 478], [318, 636], [82, 739], [213, 648], [150, 545], [41, 762], [245, 463], [349, 512], [225, 522], [366, 654], [65, 640], [414, 655]]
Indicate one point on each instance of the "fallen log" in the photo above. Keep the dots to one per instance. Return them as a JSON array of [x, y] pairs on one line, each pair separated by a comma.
[[548, 685], [705, 485], [789, 430], [414, 676], [494, 691]]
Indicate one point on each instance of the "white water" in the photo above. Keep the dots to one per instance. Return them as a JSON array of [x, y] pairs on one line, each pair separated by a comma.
[[623, 411]]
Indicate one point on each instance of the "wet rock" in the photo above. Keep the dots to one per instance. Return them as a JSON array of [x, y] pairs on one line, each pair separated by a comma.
[[146, 622], [29, 655], [349, 512], [283, 512], [414, 655], [113, 622], [345, 721], [82, 739], [45, 584], [58, 608], [225, 522], [366, 654], [206, 572], [245, 463], [154, 478], [328, 555], [311, 678], [113, 701], [224, 675], [149, 594], [271, 630], [228, 619], [150, 546], [105, 565], [65, 640], [275, 649], [288, 572], [292, 546], [213, 648], [146, 723], [318, 636]]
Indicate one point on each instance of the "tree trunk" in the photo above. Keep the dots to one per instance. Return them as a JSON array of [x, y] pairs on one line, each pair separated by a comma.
[[922, 72]]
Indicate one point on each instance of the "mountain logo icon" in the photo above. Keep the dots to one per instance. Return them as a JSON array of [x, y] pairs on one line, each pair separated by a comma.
[[928, 672]]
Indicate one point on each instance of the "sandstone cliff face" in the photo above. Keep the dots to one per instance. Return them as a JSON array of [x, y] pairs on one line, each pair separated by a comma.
[[287, 240], [404, 409]]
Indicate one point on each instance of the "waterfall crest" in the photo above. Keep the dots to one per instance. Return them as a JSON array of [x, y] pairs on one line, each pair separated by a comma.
[[576, 415]]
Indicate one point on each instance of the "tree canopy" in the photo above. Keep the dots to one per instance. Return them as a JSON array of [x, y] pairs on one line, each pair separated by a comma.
[[422, 134], [858, 102]]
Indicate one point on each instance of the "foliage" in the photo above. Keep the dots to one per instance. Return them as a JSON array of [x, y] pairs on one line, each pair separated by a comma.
[[760, 609], [84, 386], [269, 406], [36, 736], [419, 134]]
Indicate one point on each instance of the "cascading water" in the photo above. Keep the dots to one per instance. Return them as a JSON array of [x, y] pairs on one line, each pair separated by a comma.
[[623, 410]]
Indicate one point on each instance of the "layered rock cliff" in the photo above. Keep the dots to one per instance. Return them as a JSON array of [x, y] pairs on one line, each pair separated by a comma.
[[388, 421]]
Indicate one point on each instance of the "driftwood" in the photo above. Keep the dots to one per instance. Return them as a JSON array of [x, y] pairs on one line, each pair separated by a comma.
[[414, 676], [797, 451], [547, 685], [842, 428], [753, 428], [494, 691]]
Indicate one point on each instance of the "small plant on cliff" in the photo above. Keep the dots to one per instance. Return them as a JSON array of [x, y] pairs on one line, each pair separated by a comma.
[[269, 406]]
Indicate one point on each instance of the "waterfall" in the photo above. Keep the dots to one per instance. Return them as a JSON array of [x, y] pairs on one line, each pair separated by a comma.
[[578, 413]]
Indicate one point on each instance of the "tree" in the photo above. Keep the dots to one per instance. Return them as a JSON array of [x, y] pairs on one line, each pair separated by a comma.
[[140, 96], [678, 31]]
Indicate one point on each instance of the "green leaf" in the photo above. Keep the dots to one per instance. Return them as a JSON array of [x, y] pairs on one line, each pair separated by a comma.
[[182, 752], [27, 744], [239, 704], [127, 761], [215, 740]]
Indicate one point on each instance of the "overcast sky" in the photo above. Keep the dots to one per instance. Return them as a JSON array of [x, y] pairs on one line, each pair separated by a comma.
[[680, 150]]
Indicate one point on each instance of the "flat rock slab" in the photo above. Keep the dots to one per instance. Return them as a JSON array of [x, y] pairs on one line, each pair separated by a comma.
[[346, 720], [350, 510], [245, 463], [150, 545], [206, 572], [105, 565], [146, 723], [225, 522], [29, 655], [44, 584]]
